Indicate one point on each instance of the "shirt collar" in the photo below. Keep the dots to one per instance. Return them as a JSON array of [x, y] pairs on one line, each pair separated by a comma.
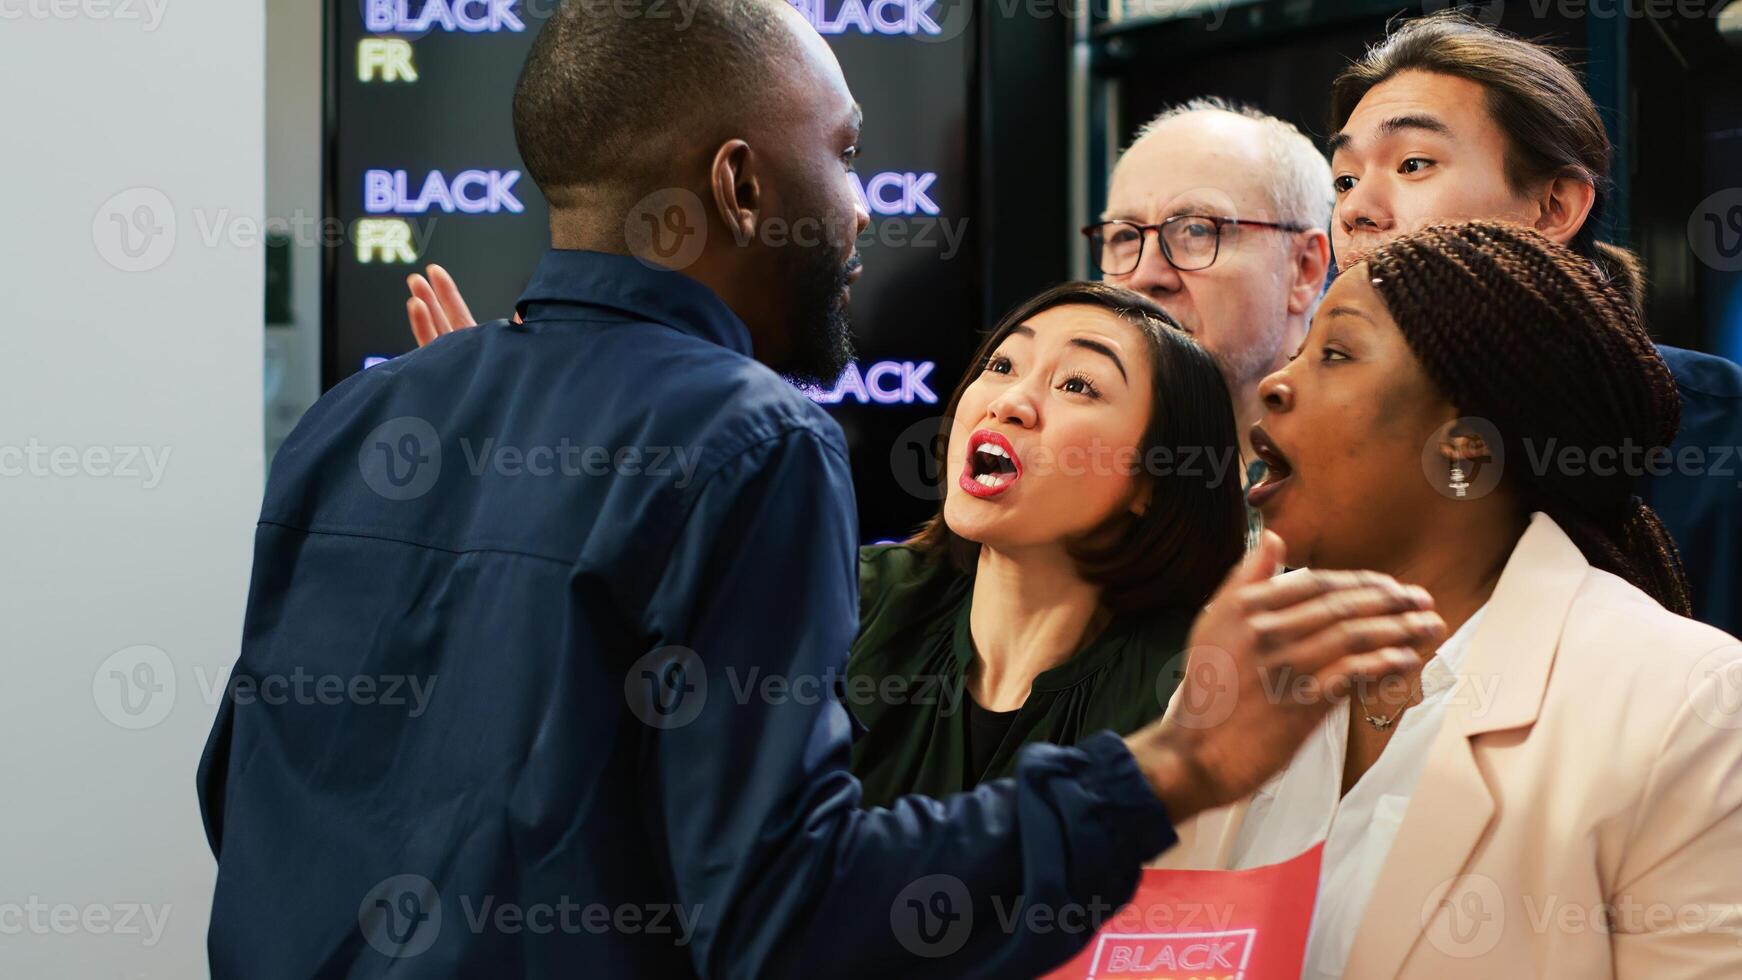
[[1447, 663], [631, 287]]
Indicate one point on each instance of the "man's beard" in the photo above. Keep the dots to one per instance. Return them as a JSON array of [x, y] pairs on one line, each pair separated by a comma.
[[822, 335]]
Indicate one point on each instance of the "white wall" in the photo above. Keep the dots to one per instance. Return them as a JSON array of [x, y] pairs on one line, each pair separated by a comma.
[[109, 576]]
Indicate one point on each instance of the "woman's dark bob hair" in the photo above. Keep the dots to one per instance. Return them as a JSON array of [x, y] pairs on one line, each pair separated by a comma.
[[1194, 530]]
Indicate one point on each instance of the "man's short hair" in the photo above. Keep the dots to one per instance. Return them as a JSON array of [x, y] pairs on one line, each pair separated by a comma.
[[610, 93], [1300, 187]]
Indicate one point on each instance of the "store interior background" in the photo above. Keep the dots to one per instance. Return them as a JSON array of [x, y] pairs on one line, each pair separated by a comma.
[[1021, 117], [183, 357]]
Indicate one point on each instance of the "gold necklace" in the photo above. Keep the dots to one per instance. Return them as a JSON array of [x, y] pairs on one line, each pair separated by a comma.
[[1382, 724]]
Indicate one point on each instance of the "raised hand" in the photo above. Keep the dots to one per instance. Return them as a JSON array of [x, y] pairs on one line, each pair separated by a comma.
[[436, 306], [1269, 657]]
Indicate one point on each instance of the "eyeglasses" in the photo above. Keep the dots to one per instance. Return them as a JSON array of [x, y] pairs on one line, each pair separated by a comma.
[[1189, 242]]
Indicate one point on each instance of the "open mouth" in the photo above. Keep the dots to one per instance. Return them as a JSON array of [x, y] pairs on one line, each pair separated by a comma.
[[1277, 469], [992, 467]]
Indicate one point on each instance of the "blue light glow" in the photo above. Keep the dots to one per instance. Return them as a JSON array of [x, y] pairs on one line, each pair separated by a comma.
[[883, 383], [887, 17], [462, 16], [895, 192], [470, 192]]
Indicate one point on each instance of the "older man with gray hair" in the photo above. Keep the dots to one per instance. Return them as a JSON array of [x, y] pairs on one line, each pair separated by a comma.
[[1219, 213]]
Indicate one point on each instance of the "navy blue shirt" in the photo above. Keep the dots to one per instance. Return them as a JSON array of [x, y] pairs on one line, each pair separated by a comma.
[[1697, 492], [535, 681]]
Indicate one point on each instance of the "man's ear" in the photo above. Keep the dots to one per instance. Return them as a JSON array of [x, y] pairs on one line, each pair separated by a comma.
[[1312, 263], [737, 188], [1562, 207]]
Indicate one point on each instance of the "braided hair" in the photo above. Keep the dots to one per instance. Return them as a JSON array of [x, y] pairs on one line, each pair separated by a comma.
[[1532, 337]]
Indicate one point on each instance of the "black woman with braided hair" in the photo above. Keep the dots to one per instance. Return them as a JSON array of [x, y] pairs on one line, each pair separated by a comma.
[[1451, 419]]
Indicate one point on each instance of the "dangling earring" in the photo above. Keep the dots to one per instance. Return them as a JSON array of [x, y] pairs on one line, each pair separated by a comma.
[[1459, 485]]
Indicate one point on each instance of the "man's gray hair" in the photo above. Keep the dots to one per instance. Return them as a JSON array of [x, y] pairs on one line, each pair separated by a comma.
[[1300, 188]]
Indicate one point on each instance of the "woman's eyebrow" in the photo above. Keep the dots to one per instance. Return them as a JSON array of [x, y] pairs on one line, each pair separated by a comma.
[[1100, 348]]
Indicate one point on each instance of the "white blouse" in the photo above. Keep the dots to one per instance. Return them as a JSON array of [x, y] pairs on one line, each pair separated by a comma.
[[1300, 807]]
